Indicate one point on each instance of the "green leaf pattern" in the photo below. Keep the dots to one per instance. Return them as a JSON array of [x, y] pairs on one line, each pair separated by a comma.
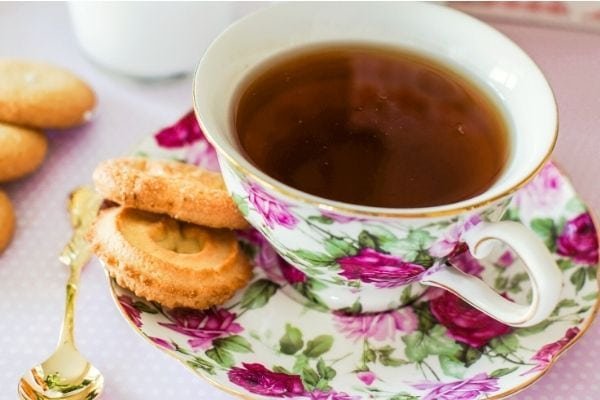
[[326, 360]]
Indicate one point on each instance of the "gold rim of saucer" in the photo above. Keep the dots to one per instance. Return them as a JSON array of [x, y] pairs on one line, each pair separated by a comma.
[[584, 328], [498, 396]]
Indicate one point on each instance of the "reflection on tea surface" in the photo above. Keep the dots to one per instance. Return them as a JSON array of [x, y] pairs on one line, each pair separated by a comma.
[[371, 126]]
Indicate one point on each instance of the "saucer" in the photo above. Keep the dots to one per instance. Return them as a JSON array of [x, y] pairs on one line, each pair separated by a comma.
[[263, 344]]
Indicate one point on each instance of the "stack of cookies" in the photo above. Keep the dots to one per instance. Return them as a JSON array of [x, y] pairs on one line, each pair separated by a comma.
[[167, 232], [34, 97]]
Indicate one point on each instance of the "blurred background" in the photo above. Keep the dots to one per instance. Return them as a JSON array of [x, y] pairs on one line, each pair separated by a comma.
[[138, 58]]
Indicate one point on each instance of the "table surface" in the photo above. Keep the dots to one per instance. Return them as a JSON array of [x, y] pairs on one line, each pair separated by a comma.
[[32, 281]]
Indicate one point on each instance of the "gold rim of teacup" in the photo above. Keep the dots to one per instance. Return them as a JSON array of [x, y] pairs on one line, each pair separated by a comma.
[[250, 171], [334, 206], [266, 181]]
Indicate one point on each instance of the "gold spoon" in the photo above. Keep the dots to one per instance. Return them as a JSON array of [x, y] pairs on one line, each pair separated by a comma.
[[66, 374]]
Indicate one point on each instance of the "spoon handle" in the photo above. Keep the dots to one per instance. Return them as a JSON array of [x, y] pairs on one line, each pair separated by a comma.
[[83, 207]]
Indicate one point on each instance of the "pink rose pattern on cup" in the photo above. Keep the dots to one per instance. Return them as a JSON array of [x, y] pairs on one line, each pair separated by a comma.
[[376, 257], [273, 211], [452, 237], [379, 269], [459, 353], [467, 263], [370, 259], [265, 257], [291, 274], [342, 219], [542, 193]]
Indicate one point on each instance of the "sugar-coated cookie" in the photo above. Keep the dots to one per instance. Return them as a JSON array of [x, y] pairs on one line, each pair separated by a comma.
[[22, 151], [174, 263], [182, 191], [41, 95], [7, 221]]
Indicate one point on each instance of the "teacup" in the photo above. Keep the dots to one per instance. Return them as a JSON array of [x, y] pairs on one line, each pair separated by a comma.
[[372, 259]]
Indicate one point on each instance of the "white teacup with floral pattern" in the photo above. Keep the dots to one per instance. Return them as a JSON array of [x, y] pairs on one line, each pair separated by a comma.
[[367, 259]]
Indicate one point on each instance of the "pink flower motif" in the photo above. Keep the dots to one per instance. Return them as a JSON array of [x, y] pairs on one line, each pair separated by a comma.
[[331, 395], [367, 377], [465, 323], [257, 379], [184, 132], [273, 211], [382, 270], [543, 191], [468, 389], [266, 257], [466, 263], [452, 238], [377, 326], [162, 343], [506, 259], [272, 263], [291, 274], [202, 326], [204, 155], [578, 240], [545, 355], [187, 133], [433, 293], [133, 313], [342, 219]]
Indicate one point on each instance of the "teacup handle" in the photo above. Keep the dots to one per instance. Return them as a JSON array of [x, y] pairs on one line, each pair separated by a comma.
[[545, 276]]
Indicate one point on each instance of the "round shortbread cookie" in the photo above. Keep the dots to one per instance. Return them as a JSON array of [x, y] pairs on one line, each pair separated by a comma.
[[182, 191], [21, 151], [174, 263], [43, 96], [7, 221]]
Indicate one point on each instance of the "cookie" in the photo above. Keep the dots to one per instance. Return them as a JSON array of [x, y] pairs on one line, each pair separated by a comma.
[[183, 191], [174, 263], [43, 96], [7, 221], [21, 151]]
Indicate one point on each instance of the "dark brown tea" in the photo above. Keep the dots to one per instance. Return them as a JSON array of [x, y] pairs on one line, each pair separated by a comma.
[[371, 126]]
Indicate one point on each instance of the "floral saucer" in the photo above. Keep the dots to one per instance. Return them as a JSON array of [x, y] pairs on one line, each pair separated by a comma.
[[263, 344]]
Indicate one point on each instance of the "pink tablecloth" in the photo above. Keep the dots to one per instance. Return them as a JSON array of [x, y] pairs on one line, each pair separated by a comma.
[[31, 280]]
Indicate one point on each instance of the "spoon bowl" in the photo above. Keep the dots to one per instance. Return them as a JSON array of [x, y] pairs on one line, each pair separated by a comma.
[[81, 381]]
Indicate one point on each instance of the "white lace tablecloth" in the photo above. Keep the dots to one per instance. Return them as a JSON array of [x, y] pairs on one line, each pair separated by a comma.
[[32, 280]]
